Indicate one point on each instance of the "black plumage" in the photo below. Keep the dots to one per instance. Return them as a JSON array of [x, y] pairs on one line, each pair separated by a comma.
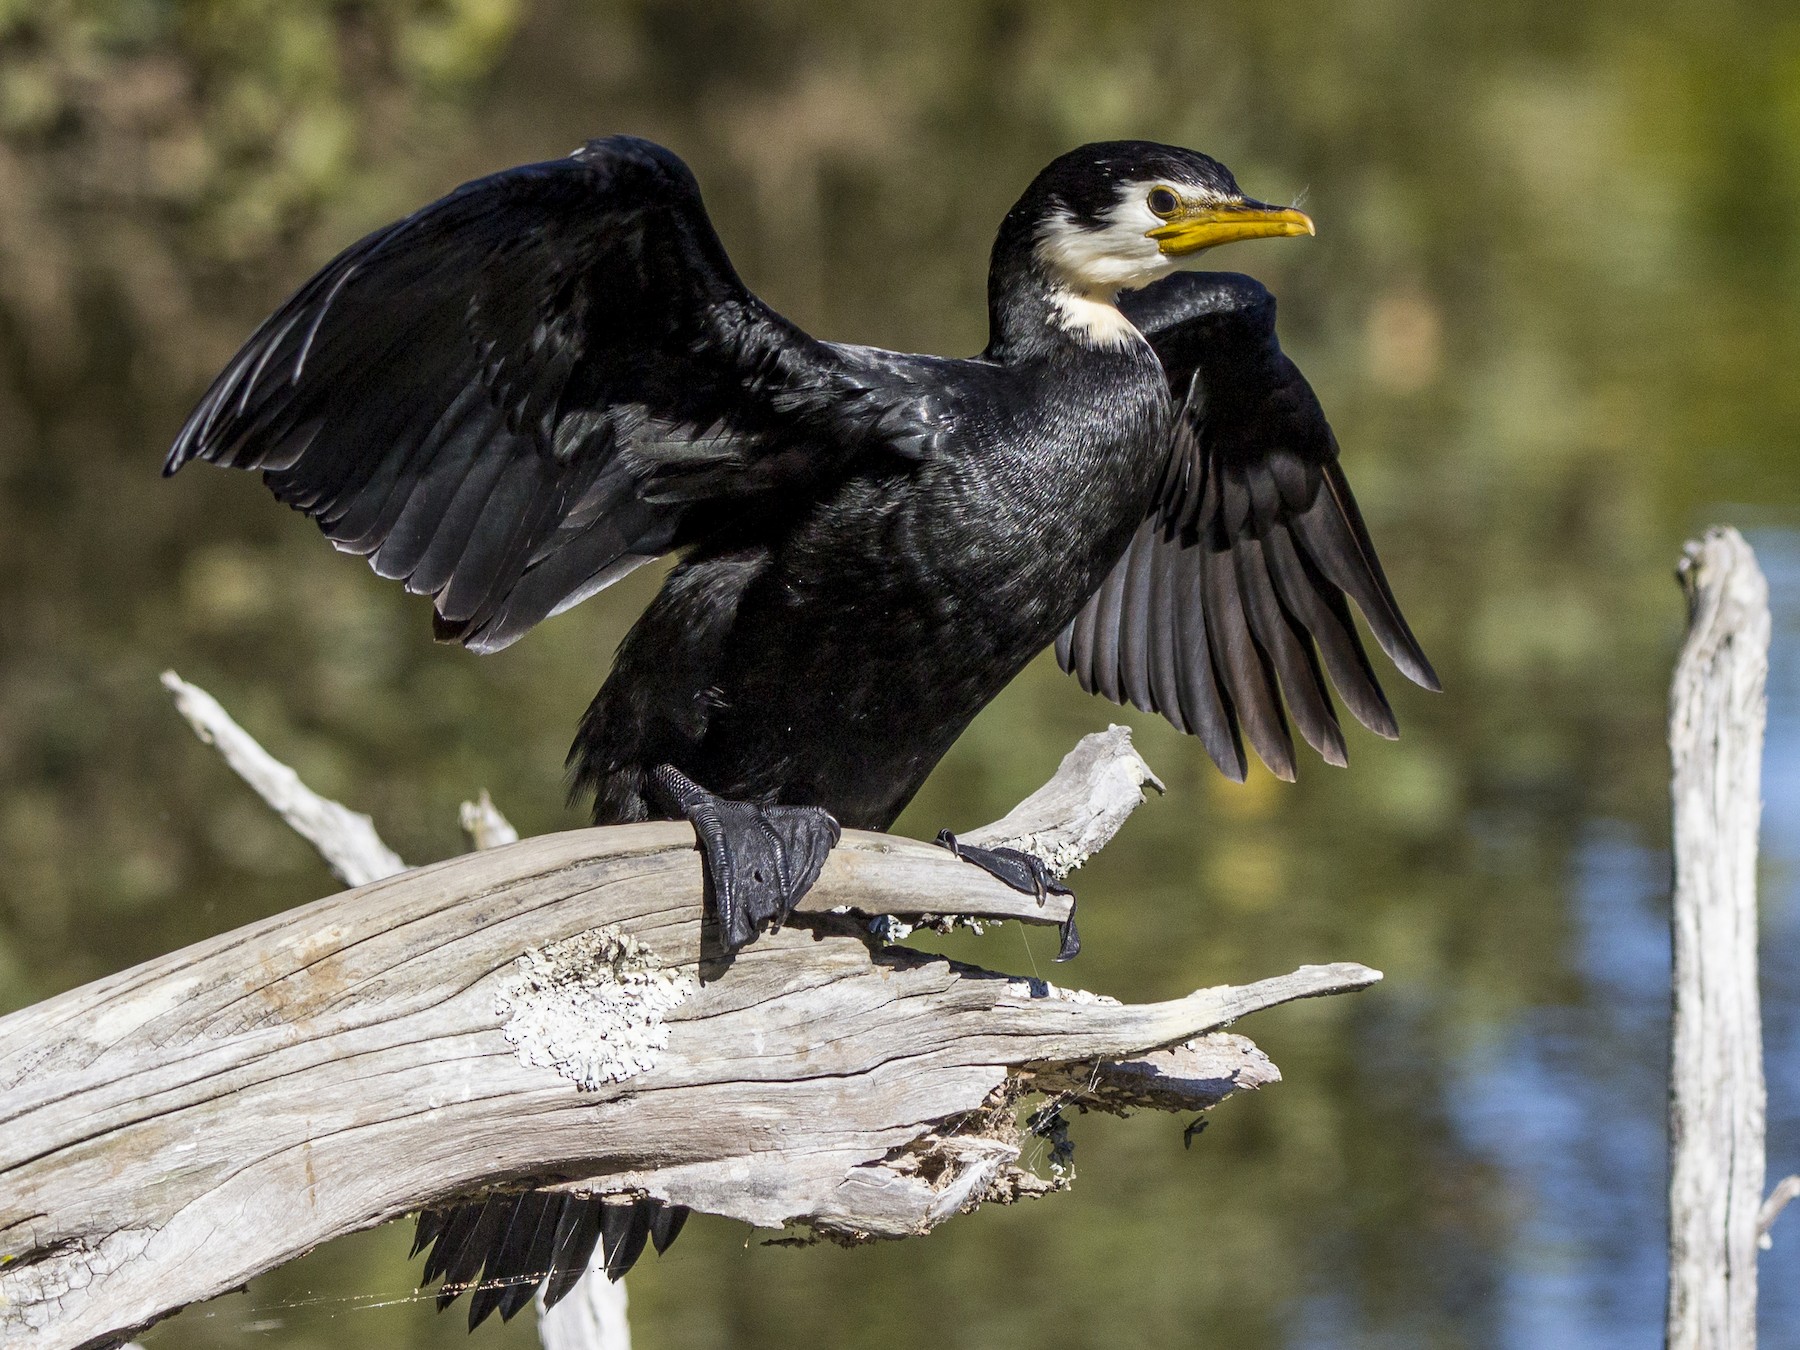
[[1233, 591], [553, 375]]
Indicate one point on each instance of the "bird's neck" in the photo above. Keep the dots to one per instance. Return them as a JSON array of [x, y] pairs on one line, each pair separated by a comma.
[[1034, 313]]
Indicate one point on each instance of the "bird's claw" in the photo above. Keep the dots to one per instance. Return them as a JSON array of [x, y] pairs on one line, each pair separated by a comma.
[[759, 860], [1024, 872]]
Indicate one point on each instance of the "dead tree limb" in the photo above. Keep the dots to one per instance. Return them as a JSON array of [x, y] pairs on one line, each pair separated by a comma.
[[593, 1315], [549, 1013], [346, 839], [1716, 1091]]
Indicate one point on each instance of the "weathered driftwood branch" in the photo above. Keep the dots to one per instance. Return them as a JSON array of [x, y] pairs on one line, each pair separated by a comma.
[[344, 838], [1065, 822], [1784, 1193], [593, 1315], [547, 1012], [1716, 1091]]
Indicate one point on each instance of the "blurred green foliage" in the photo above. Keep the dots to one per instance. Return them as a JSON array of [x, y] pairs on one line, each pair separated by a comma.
[[1554, 310]]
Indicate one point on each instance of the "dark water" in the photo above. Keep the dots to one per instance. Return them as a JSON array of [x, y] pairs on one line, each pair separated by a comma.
[[1554, 311]]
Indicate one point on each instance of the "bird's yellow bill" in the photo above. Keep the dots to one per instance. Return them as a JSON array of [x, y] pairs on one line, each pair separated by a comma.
[[1209, 226]]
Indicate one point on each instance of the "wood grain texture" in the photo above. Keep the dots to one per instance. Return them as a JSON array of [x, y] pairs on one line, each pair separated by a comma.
[[172, 1131], [1717, 1097], [1074, 815]]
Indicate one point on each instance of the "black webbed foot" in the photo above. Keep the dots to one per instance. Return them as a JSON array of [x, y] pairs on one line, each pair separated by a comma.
[[1023, 872], [760, 860]]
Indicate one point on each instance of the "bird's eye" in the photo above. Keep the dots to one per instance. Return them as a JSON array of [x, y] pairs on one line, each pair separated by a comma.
[[1163, 202]]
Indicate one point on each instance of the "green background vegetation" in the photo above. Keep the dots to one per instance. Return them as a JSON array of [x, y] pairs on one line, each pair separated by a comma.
[[1553, 310]]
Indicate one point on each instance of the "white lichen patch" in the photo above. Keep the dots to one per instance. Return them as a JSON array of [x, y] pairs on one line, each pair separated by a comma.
[[1060, 855], [591, 1007], [888, 928], [1032, 987]]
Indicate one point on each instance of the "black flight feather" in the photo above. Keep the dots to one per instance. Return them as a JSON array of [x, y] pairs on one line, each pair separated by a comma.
[[1240, 588]]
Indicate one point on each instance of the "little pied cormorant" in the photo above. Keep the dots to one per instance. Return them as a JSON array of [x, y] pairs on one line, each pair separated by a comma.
[[553, 375]]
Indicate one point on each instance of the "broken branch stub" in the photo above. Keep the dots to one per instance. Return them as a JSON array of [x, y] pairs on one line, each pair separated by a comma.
[[547, 1013]]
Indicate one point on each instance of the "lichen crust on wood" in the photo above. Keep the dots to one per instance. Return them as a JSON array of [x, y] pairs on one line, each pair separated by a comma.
[[591, 1006]]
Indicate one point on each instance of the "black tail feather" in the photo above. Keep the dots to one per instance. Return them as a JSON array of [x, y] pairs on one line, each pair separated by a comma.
[[666, 1226], [576, 1236], [514, 1243]]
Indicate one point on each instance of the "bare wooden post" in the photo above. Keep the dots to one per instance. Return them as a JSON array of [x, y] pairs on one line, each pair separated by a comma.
[[1716, 1092]]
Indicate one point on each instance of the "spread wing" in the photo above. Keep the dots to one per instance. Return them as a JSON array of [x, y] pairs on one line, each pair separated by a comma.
[[1234, 592], [517, 394]]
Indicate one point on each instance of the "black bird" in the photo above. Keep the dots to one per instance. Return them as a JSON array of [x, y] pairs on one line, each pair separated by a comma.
[[516, 395]]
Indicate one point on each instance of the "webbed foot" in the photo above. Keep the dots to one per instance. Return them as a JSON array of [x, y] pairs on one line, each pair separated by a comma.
[[1023, 872], [759, 859]]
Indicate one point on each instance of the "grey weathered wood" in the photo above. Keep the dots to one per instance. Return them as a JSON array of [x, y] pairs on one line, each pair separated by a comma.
[[547, 1013], [1717, 1096], [483, 825], [1781, 1196], [595, 1314], [1068, 820], [344, 838], [1095, 788]]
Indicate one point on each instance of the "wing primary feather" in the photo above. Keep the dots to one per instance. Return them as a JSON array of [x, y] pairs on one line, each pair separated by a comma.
[[1081, 646], [454, 1231], [1165, 678], [1243, 666], [270, 346], [1135, 620], [1302, 682], [434, 528], [576, 1235], [366, 504], [1108, 605], [1319, 607], [325, 304], [1065, 644], [426, 491], [521, 506], [1204, 702], [667, 1226], [546, 590], [534, 1265], [465, 1263], [506, 1259], [1334, 533], [431, 1223], [624, 1231], [442, 513]]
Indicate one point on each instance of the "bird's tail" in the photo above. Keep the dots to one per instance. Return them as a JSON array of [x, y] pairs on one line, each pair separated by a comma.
[[502, 1248]]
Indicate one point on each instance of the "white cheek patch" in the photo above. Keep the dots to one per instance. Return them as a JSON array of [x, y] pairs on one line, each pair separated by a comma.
[[1093, 264], [1117, 255]]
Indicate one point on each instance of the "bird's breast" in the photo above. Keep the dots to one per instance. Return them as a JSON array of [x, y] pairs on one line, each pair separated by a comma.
[[1052, 502], [906, 601]]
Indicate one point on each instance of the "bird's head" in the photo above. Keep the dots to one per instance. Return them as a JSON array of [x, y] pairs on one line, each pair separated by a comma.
[[1117, 215]]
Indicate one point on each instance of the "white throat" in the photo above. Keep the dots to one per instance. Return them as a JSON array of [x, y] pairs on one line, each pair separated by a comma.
[[1094, 317]]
